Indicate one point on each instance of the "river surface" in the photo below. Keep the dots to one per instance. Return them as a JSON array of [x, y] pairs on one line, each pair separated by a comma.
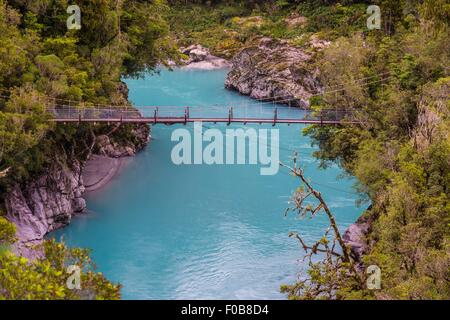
[[197, 231]]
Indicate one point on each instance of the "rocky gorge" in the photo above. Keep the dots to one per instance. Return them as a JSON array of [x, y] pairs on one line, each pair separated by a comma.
[[268, 69]]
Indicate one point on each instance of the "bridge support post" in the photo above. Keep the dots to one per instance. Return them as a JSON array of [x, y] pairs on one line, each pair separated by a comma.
[[230, 115], [321, 117], [155, 116], [275, 117], [186, 115], [79, 117]]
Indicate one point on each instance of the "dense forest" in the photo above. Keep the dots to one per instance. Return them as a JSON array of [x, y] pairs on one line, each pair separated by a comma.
[[41, 60], [400, 156]]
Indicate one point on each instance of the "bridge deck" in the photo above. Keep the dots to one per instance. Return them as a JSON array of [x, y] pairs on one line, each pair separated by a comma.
[[163, 120]]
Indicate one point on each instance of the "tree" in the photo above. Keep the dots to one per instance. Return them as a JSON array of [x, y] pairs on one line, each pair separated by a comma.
[[40, 62], [400, 153], [337, 269], [46, 276]]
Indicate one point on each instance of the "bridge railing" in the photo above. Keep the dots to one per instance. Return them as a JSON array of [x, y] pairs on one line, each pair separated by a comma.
[[74, 112]]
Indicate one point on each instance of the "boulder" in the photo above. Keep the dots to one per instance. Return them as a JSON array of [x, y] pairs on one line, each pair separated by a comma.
[[196, 53], [274, 70], [106, 146], [201, 58]]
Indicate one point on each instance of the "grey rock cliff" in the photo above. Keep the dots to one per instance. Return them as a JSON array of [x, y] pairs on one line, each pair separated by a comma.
[[46, 204], [356, 237], [274, 70]]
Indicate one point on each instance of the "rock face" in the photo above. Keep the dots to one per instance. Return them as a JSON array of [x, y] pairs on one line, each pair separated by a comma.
[[111, 149], [356, 237], [201, 58], [107, 147], [273, 70], [45, 204]]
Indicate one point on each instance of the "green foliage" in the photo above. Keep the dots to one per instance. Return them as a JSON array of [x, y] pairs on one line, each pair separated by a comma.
[[7, 232], [400, 155], [46, 278], [40, 60], [217, 27], [23, 124], [117, 38], [334, 19]]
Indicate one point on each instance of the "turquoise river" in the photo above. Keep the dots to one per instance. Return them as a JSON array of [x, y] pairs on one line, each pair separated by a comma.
[[197, 231]]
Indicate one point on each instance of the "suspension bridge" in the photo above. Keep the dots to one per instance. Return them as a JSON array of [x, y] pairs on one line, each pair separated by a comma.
[[62, 111], [170, 115]]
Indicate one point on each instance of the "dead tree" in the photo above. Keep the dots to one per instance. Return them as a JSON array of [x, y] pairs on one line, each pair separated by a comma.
[[337, 261]]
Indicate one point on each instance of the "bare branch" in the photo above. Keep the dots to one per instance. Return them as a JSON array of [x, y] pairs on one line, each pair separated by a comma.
[[335, 266], [300, 174]]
